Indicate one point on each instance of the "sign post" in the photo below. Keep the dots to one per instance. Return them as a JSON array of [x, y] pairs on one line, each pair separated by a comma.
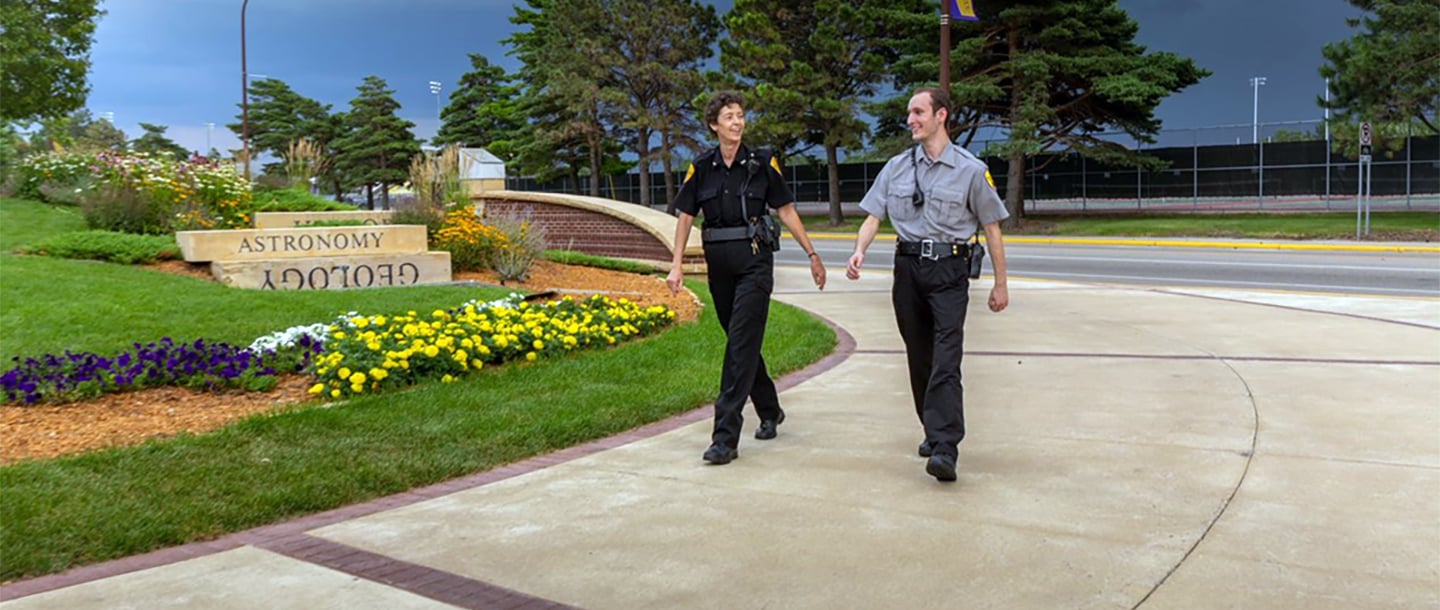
[[1362, 178]]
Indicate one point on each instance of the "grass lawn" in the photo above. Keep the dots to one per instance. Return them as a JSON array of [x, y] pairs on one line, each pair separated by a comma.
[[112, 503], [1406, 226]]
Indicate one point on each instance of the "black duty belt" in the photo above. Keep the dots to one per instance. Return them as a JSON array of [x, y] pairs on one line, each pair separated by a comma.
[[725, 234], [933, 250]]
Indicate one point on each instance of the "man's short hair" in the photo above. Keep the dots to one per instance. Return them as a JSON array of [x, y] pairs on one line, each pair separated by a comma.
[[718, 102], [940, 98]]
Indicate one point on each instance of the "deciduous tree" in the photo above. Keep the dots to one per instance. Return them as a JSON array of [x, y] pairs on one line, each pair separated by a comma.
[[45, 57], [808, 65]]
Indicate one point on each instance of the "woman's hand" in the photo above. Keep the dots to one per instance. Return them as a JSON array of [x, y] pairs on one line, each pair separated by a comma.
[[817, 271], [676, 280]]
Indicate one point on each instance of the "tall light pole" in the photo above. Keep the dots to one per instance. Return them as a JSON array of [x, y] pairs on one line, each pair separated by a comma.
[[244, 96], [945, 45], [435, 88], [209, 127], [1255, 82]]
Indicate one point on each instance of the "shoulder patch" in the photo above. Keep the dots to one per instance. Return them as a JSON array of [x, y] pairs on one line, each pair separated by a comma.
[[775, 164], [989, 178], [689, 173]]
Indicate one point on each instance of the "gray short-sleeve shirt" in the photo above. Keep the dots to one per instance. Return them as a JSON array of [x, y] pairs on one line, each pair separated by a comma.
[[947, 183]]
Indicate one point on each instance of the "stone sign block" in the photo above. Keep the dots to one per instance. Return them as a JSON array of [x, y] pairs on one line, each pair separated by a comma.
[[335, 272], [290, 220], [259, 244]]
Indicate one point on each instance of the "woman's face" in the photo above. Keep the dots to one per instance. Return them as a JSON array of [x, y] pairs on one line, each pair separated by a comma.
[[730, 125]]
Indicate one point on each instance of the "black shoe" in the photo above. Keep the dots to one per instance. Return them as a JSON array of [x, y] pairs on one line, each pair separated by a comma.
[[720, 454], [766, 431], [941, 466], [927, 448]]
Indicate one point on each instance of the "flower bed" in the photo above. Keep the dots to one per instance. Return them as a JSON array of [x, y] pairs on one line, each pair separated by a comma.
[[355, 354], [139, 193], [374, 353]]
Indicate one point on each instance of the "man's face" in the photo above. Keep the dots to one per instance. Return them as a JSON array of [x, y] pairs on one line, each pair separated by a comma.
[[730, 125], [924, 122]]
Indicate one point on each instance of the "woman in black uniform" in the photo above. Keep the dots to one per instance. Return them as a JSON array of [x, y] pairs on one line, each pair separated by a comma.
[[734, 187]]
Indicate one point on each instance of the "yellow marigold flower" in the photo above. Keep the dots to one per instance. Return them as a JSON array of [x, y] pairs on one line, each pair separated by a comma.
[[344, 373], [335, 393], [373, 346], [379, 374], [360, 322], [317, 388], [461, 356], [339, 334], [538, 344], [432, 351], [379, 320], [356, 389], [531, 356], [448, 378], [358, 378], [483, 350], [467, 344]]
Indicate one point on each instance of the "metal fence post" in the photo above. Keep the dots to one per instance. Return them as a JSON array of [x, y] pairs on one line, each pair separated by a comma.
[[1194, 169], [1084, 184], [1260, 197], [1409, 144]]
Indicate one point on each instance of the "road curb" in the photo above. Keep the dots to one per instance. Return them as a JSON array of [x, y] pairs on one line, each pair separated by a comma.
[[1182, 243]]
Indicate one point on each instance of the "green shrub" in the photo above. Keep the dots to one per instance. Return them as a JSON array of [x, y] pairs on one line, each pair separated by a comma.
[[417, 212], [110, 246], [120, 207], [295, 200], [571, 257]]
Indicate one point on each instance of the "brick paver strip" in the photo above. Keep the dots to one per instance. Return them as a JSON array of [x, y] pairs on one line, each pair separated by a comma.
[[289, 538], [418, 579]]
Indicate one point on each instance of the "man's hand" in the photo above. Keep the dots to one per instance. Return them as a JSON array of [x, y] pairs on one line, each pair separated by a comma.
[[999, 298], [817, 271], [676, 280], [852, 268]]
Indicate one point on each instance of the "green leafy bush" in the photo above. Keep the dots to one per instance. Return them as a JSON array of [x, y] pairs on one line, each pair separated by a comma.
[[524, 243], [295, 200], [110, 246]]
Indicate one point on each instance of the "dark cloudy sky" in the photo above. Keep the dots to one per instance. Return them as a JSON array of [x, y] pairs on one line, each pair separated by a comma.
[[177, 63]]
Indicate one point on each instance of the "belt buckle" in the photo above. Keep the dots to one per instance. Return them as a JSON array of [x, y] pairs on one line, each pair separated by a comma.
[[927, 249]]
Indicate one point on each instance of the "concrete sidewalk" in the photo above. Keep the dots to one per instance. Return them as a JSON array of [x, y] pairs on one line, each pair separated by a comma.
[[1129, 447]]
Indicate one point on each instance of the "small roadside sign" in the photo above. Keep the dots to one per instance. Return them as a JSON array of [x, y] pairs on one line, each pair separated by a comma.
[[1365, 134], [1365, 150]]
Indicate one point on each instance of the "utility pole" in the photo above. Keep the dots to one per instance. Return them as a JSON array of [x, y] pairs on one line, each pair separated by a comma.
[[1255, 83], [244, 96]]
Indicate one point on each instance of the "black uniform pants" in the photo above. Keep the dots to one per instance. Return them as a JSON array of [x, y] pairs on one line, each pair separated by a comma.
[[741, 281], [930, 298]]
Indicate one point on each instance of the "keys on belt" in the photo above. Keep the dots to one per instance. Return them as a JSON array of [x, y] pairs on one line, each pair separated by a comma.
[[931, 249]]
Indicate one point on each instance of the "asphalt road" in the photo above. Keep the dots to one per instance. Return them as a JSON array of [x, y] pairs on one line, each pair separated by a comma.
[[1387, 273]]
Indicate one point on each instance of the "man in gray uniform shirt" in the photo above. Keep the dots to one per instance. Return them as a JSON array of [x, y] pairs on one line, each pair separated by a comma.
[[936, 195]]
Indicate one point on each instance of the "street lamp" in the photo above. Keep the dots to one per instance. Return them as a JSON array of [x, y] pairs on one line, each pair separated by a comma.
[[209, 127], [435, 88], [244, 95], [1255, 82]]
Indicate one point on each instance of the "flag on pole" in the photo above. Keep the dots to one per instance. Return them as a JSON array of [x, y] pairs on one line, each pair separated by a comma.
[[964, 10]]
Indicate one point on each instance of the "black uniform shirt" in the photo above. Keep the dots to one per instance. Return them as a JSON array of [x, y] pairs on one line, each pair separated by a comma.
[[713, 190]]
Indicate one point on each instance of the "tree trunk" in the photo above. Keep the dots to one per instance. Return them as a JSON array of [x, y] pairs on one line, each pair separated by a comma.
[[596, 154], [1015, 189], [370, 197], [832, 163], [642, 150], [385, 195], [668, 165]]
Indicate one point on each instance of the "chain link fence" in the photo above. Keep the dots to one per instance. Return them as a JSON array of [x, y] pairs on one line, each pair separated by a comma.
[[1221, 168]]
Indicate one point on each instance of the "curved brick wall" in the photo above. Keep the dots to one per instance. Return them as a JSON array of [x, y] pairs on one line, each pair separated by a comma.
[[596, 226]]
